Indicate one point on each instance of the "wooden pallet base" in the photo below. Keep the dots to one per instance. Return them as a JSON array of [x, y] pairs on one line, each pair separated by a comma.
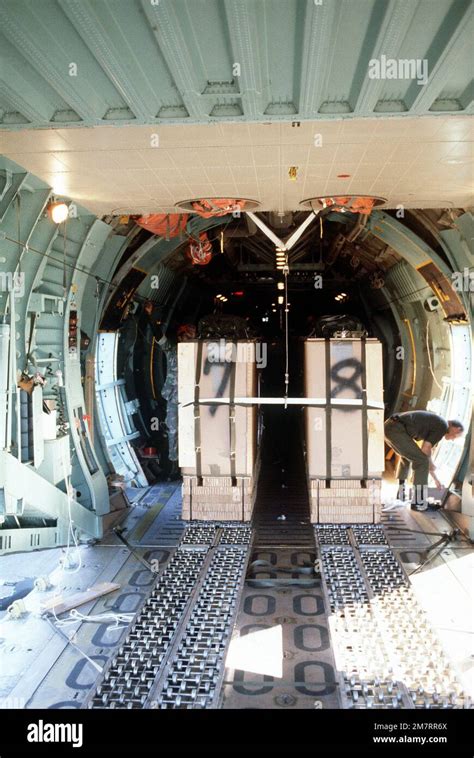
[[345, 501], [218, 498]]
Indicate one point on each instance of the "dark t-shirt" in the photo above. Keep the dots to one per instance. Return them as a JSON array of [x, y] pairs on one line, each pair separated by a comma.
[[424, 425]]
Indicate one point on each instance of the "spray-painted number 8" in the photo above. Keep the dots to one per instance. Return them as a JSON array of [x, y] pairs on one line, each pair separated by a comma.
[[346, 382]]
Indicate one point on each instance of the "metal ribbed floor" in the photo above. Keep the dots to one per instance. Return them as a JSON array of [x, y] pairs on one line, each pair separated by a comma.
[[281, 517]]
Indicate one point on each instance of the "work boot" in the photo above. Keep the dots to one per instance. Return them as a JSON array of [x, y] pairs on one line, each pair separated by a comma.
[[419, 506]]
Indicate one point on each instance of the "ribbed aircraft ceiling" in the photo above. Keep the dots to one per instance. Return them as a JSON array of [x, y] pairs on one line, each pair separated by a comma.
[[92, 62], [272, 100]]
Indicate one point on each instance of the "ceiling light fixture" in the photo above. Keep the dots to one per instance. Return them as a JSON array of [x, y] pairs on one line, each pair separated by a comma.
[[59, 211], [293, 173]]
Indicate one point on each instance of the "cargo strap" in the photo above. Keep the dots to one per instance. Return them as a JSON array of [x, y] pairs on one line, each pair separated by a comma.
[[365, 435], [327, 345], [261, 566], [232, 435], [197, 423], [318, 402]]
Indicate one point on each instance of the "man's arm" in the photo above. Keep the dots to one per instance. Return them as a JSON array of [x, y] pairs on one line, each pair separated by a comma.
[[427, 449]]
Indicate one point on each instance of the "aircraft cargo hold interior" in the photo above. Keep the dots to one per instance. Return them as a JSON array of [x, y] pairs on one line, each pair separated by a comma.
[[236, 356]]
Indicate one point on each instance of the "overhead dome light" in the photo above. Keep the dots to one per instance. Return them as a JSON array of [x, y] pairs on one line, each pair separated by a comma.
[[58, 211]]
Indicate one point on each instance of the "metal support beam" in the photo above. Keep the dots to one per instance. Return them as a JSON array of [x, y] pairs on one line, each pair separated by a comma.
[[46, 53], [262, 225], [16, 182], [29, 103], [441, 66], [393, 30], [320, 21], [292, 239], [245, 47], [22, 482], [107, 45], [174, 47]]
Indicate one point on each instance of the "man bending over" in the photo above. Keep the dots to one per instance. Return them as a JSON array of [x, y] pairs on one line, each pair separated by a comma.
[[401, 431]]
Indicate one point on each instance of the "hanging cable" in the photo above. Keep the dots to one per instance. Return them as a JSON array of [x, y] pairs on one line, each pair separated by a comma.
[[287, 364], [64, 258]]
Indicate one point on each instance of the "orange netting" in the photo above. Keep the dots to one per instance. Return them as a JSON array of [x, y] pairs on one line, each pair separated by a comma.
[[166, 225], [200, 251], [220, 206], [363, 205]]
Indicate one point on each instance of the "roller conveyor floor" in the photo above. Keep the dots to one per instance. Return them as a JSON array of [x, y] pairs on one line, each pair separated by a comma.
[[45, 671]]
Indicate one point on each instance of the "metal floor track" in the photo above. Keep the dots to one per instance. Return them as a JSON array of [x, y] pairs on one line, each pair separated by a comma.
[[210, 597], [389, 656], [173, 654], [293, 597], [281, 516], [282, 624]]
